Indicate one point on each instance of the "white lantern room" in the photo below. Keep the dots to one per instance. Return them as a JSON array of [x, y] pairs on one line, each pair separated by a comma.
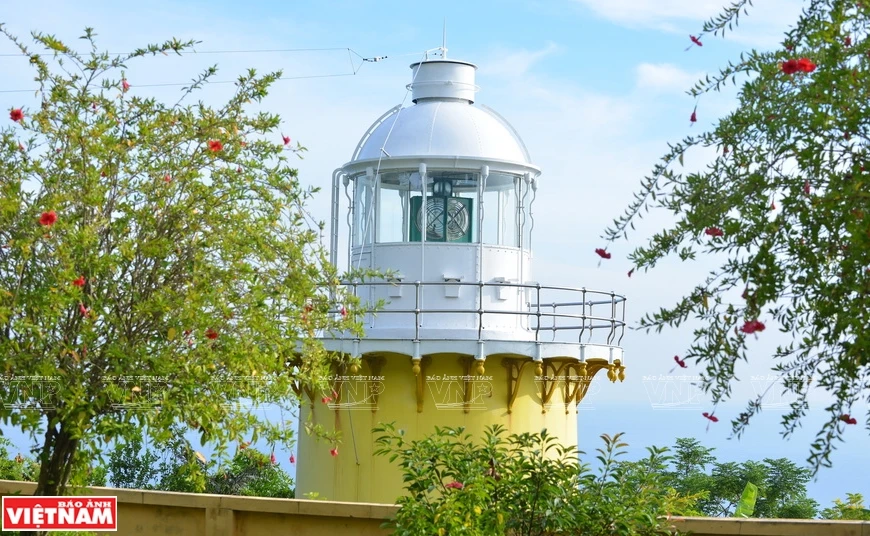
[[440, 195]]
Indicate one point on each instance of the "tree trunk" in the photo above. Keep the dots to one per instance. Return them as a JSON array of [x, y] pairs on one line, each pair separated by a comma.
[[56, 462]]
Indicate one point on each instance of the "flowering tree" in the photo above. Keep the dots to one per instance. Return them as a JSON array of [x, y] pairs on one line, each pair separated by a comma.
[[527, 484], [157, 264], [785, 206]]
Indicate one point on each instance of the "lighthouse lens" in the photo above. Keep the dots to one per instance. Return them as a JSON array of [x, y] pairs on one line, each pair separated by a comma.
[[442, 188]]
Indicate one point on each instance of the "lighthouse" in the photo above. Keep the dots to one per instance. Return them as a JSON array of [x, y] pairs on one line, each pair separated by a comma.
[[439, 196]]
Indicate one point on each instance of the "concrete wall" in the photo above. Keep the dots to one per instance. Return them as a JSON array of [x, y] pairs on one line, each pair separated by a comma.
[[165, 513]]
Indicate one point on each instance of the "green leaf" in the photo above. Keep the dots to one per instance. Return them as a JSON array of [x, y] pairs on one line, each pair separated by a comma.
[[746, 504]]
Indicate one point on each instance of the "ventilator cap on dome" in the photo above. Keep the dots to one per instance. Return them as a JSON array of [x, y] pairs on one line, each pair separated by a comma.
[[443, 79]]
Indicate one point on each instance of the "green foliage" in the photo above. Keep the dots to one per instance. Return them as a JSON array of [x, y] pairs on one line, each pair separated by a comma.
[[853, 509], [175, 466], [132, 466], [781, 485], [157, 263], [252, 473], [20, 468], [788, 195], [525, 485], [746, 504]]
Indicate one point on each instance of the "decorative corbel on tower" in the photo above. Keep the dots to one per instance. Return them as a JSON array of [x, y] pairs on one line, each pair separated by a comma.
[[375, 363], [418, 367], [310, 393], [552, 377], [587, 370], [573, 382], [467, 362], [515, 367], [616, 371], [340, 369]]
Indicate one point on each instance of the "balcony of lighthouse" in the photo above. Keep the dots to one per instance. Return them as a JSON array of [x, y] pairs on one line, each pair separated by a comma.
[[465, 284]]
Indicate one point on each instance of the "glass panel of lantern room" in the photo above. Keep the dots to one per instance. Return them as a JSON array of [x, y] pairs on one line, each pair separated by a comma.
[[500, 214], [363, 215], [394, 194], [450, 211]]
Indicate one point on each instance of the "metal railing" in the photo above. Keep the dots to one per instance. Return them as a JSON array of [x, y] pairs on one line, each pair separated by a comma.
[[554, 309]]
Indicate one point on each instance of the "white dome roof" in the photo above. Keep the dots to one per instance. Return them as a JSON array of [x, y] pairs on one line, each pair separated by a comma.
[[443, 127]]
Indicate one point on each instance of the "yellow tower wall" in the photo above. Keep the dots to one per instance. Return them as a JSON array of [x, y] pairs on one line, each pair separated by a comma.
[[445, 399]]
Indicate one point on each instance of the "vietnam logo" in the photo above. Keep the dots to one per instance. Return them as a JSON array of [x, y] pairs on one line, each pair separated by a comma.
[[60, 513]]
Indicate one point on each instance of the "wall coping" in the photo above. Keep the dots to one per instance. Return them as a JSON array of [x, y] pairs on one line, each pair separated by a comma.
[[229, 502], [698, 525], [769, 527]]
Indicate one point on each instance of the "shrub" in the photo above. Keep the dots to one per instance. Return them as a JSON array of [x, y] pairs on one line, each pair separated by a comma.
[[526, 484]]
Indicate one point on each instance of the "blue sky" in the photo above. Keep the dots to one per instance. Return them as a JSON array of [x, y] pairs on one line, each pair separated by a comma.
[[595, 87]]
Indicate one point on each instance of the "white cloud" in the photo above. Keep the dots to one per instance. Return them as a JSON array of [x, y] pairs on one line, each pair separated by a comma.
[[653, 13], [516, 62], [763, 26], [665, 78]]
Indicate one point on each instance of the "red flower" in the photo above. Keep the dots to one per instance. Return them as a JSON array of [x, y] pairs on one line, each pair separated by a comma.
[[630, 272], [790, 66], [333, 452], [807, 187], [47, 219], [273, 459], [713, 231], [846, 418], [286, 139], [80, 282], [710, 417], [805, 65], [17, 114], [167, 178], [125, 85], [602, 253], [292, 459], [694, 117], [680, 362], [752, 326], [215, 146], [696, 41], [848, 41], [326, 399], [454, 485], [343, 311], [211, 334], [83, 310]]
